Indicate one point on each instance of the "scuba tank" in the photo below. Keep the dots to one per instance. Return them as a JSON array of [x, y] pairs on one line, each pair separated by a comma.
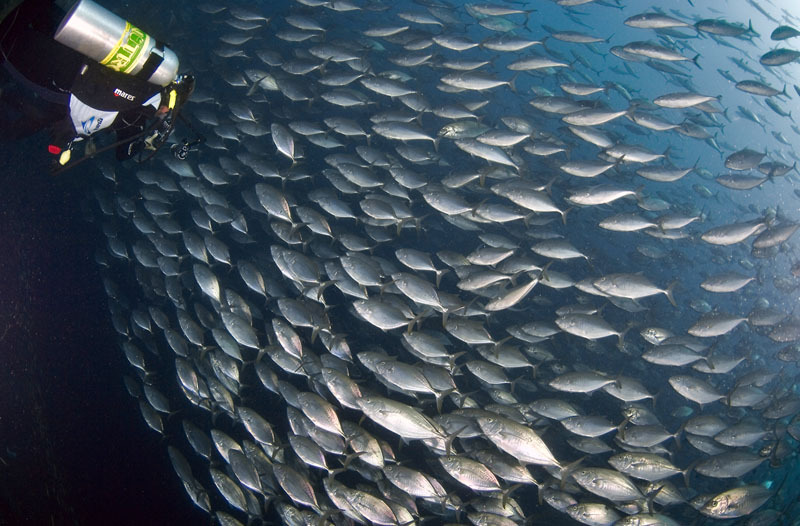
[[96, 32]]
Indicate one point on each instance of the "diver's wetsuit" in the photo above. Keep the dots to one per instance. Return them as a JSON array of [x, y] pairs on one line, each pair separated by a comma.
[[60, 89]]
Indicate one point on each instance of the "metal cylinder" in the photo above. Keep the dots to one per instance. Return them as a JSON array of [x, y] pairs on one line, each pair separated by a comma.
[[101, 35]]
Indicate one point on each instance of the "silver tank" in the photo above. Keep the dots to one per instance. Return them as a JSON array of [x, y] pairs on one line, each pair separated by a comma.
[[101, 35]]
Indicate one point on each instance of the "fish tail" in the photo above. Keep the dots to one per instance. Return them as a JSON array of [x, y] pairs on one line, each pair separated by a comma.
[[512, 84], [668, 293], [564, 215], [567, 470]]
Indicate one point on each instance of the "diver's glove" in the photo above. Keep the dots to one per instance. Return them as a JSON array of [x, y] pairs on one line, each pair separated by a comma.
[[134, 148], [159, 135]]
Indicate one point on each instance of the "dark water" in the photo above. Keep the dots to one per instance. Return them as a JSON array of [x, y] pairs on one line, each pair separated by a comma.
[[73, 450]]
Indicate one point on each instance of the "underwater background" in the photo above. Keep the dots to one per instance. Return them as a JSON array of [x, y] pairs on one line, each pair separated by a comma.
[[81, 273]]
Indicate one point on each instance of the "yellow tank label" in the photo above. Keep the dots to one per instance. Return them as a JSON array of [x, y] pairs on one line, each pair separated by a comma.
[[126, 52]]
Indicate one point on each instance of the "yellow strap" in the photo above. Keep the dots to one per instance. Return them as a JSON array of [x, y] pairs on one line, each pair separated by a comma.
[[116, 47], [173, 98], [64, 157], [132, 61]]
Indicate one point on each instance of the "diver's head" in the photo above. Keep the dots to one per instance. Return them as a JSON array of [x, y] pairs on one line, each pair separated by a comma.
[[185, 86]]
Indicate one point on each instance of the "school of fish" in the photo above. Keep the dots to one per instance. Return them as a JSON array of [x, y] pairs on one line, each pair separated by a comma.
[[470, 263]]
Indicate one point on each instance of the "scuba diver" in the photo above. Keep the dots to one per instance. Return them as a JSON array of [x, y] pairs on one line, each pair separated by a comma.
[[84, 70]]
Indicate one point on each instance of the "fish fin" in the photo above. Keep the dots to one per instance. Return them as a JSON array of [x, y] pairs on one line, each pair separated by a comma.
[[548, 188], [651, 495], [506, 492], [512, 84], [621, 336], [321, 288], [654, 397], [448, 441], [440, 398], [668, 293], [621, 428], [501, 342], [566, 471], [439, 274], [527, 219], [453, 358], [688, 471], [564, 214], [411, 323], [543, 42], [535, 370], [347, 460], [543, 272], [639, 193], [677, 437]]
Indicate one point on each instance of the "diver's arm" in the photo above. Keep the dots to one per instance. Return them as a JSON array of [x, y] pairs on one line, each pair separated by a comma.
[[162, 107], [133, 125]]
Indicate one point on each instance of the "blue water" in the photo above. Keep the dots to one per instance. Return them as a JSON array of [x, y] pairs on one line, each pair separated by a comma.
[[109, 465]]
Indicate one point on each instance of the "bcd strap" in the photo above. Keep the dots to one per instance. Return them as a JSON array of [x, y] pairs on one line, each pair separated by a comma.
[[153, 61]]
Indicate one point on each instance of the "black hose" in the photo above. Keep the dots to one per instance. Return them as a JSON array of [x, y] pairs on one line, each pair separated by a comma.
[[103, 149]]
